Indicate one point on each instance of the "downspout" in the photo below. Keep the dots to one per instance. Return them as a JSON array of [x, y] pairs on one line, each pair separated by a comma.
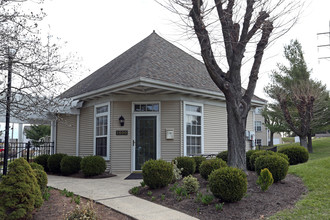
[[77, 135]]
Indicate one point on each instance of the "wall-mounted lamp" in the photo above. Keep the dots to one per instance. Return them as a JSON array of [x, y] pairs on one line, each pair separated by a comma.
[[121, 120]]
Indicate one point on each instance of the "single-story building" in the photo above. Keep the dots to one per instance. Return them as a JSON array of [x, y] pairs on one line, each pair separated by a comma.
[[153, 101]]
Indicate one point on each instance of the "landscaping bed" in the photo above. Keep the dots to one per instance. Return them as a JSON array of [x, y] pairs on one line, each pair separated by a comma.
[[255, 204], [59, 205]]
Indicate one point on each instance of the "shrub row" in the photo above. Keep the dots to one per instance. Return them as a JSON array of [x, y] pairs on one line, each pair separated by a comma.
[[67, 165]]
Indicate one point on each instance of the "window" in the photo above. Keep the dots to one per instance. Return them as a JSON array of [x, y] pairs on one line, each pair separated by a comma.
[[102, 130], [258, 125], [146, 107], [193, 129], [258, 142]]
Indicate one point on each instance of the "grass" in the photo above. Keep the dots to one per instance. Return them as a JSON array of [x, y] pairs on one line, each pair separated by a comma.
[[316, 176]]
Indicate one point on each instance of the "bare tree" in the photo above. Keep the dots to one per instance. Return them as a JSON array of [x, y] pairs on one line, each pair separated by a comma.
[[39, 72], [234, 28]]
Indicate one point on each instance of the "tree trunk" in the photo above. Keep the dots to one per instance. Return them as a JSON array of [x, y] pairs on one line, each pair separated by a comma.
[[271, 143], [310, 144], [303, 141], [236, 139]]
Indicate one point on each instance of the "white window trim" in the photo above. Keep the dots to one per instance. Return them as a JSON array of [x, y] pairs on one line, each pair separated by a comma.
[[108, 130], [185, 127], [258, 126], [158, 134]]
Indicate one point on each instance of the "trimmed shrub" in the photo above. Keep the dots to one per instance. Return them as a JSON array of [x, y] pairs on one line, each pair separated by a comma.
[[265, 180], [54, 162], [42, 179], [277, 165], [43, 161], [36, 166], [209, 165], [223, 155], [296, 154], [198, 161], [187, 163], [257, 154], [93, 165], [283, 156], [70, 165], [190, 184], [157, 173], [19, 191], [228, 184], [248, 158]]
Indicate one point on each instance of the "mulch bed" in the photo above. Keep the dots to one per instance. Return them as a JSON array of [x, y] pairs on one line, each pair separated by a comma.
[[255, 205], [58, 206]]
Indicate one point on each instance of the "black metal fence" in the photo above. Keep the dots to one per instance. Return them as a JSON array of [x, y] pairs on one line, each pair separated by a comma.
[[28, 150]]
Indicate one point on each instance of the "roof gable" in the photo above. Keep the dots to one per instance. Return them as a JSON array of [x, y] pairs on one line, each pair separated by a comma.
[[153, 58]]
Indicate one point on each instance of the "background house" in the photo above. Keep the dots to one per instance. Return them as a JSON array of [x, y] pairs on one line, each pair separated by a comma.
[[153, 101], [262, 133]]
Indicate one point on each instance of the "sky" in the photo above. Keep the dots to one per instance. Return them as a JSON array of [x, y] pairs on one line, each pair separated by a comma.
[[98, 31]]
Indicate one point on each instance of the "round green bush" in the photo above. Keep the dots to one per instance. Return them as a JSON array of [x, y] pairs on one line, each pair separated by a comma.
[[228, 184], [248, 157], [257, 154], [54, 162], [223, 155], [265, 180], [42, 179], [209, 165], [70, 165], [296, 154], [188, 164], [93, 165], [283, 156], [19, 191], [198, 161], [157, 173], [43, 161], [36, 166], [276, 164]]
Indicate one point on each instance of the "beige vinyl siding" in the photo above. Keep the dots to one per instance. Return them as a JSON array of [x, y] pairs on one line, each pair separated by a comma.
[[263, 133], [120, 145], [249, 127], [86, 131], [170, 118], [215, 129], [66, 134]]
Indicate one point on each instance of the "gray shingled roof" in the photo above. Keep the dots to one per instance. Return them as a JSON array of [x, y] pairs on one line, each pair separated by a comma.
[[153, 58]]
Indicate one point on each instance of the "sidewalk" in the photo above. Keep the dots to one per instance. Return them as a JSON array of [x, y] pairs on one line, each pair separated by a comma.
[[113, 192]]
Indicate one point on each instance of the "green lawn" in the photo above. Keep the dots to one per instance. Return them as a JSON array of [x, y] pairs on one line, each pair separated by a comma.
[[316, 176]]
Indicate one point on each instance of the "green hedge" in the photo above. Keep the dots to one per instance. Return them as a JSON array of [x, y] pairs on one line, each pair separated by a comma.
[[223, 155], [248, 159], [43, 161], [276, 164], [93, 165], [54, 162], [198, 161], [209, 165], [70, 165], [296, 154], [157, 173], [187, 163]]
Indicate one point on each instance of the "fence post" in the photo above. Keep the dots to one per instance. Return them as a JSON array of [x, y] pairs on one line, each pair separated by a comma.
[[28, 145]]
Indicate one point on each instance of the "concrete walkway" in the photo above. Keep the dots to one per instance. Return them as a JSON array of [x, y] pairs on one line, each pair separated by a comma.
[[113, 192]]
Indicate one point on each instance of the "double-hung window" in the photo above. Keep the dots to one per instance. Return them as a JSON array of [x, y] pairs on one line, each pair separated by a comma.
[[193, 129], [102, 128], [258, 125]]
